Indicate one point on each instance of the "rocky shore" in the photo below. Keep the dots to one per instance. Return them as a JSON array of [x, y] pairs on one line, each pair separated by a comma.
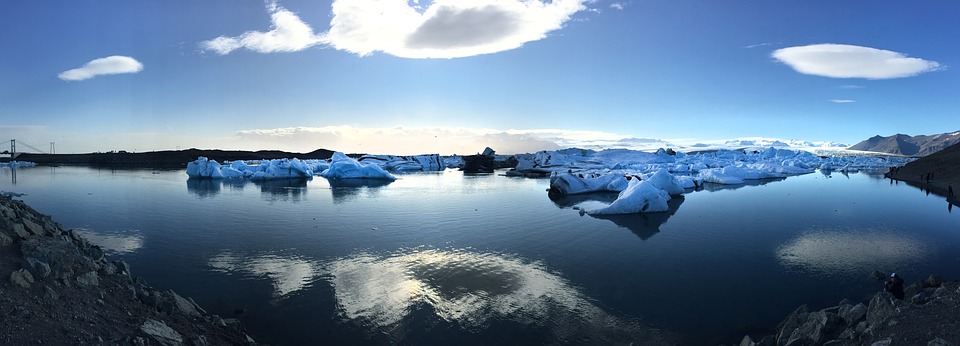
[[942, 169], [929, 315], [59, 289]]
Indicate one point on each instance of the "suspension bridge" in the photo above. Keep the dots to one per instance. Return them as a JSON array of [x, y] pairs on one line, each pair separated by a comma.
[[13, 153]]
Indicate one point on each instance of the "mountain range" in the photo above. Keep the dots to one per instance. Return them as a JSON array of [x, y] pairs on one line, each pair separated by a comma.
[[908, 145]]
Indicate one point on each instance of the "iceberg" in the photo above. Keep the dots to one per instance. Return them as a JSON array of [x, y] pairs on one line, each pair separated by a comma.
[[344, 167], [254, 170], [640, 196], [717, 176], [665, 181], [393, 163], [453, 161], [16, 164], [204, 168], [571, 184]]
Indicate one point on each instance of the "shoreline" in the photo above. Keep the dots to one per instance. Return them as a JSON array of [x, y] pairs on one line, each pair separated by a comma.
[[937, 186], [944, 167], [929, 314], [60, 289]]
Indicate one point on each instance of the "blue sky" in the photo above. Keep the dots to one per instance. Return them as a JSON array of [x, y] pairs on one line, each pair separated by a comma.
[[405, 77]]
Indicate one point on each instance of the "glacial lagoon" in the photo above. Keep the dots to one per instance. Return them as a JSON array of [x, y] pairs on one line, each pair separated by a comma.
[[453, 258]]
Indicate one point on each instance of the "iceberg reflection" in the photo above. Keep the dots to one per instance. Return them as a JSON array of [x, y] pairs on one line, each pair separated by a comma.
[[113, 244], [471, 290], [861, 251], [345, 190], [203, 188], [288, 274], [644, 225], [283, 189]]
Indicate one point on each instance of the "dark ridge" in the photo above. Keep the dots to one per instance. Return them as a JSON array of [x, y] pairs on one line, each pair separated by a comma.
[[163, 159], [902, 144]]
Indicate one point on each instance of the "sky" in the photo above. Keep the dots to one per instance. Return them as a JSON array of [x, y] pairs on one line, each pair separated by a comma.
[[455, 76]]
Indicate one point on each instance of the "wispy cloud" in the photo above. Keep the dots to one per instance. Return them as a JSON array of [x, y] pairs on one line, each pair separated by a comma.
[[848, 61], [851, 86], [444, 29], [288, 33], [115, 64], [764, 44], [842, 101], [619, 5]]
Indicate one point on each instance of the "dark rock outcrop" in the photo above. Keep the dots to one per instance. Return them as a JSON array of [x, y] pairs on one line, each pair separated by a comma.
[[480, 163], [931, 319], [61, 290]]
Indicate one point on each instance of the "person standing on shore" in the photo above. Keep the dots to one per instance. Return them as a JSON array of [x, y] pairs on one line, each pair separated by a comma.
[[895, 286]]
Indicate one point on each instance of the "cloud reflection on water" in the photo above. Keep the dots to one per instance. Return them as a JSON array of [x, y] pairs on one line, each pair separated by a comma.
[[287, 274], [113, 244], [851, 252], [471, 290]]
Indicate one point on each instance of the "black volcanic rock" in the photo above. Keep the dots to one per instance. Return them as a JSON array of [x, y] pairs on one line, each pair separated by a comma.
[[909, 145]]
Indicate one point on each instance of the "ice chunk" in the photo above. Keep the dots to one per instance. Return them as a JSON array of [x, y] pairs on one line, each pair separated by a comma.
[[638, 197], [281, 169], [204, 168], [570, 184], [430, 162], [413, 163], [717, 176], [262, 170], [454, 161], [688, 182], [344, 167], [665, 181], [15, 164]]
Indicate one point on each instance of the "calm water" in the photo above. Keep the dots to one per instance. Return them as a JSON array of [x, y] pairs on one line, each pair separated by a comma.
[[483, 259]]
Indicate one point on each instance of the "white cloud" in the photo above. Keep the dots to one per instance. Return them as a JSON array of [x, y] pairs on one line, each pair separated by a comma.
[[288, 33], [847, 61], [447, 28], [618, 5], [851, 86], [842, 101], [115, 64], [444, 29]]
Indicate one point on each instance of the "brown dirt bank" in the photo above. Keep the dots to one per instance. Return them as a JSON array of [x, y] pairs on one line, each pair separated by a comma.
[[58, 289], [164, 159], [945, 167]]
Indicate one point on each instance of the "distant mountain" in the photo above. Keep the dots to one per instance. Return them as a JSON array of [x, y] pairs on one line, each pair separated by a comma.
[[781, 143], [908, 145]]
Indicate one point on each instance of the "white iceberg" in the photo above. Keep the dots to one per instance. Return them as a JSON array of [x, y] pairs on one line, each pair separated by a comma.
[[344, 167], [665, 181], [254, 170], [571, 184], [204, 168], [639, 197], [393, 163]]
